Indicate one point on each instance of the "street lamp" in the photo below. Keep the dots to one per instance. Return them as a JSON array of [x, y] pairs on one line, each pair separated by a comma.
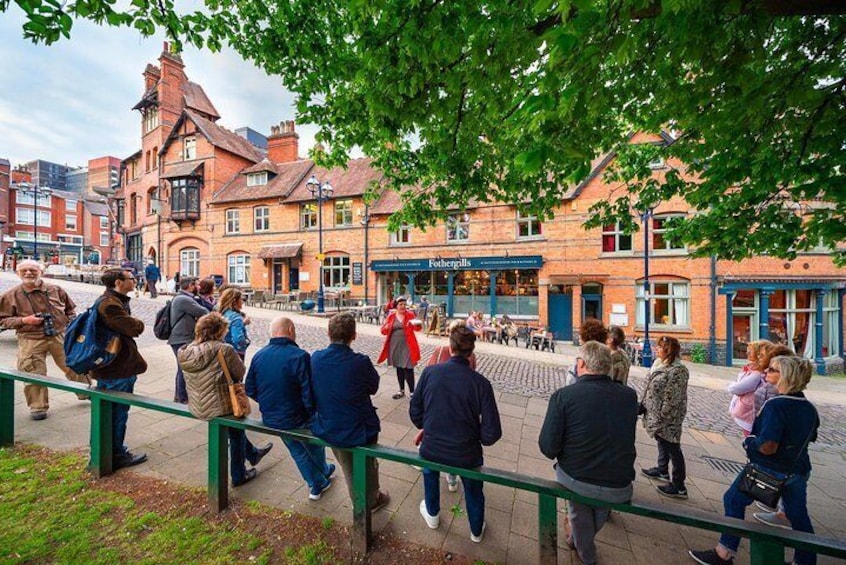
[[365, 221], [322, 192], [646, 352]]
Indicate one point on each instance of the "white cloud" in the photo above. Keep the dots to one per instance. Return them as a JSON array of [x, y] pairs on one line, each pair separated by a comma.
[[72, 101]]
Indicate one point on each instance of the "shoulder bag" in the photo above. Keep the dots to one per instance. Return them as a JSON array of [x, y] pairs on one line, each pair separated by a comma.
[[237, 394], [764, 485]]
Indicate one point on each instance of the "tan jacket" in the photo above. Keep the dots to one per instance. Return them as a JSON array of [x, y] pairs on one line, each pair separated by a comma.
[[18, 303], [665, 400], [620, 366], [208, 391]]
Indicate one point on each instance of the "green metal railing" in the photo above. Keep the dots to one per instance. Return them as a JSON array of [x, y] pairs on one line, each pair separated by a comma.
[[766, 544]]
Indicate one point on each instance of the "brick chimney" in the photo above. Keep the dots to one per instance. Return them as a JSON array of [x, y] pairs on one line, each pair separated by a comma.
[[283, 143], [151, 77]]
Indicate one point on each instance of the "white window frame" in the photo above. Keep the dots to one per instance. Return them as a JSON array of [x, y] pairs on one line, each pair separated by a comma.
[[70, 205], [150, 118], [238, 269], [28, 197], [661, 231], [233, 220], [104, 222], [308, 216], [104, 239], [344, 210], [678, 304], [337, 272], [618, 234], [26, 217], [401, 237], [458, 228], [261, 218], [189, 262], [532, 224], [71, 222], [257, 179], [189, 148]]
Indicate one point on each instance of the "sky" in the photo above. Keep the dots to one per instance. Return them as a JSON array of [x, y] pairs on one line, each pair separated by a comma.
[[71, 101]]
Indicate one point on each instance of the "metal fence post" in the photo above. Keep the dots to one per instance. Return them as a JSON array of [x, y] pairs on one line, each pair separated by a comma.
[[361, 513], [218, 462], [548, 529], [7, 412], [102, 440], [765, 552]]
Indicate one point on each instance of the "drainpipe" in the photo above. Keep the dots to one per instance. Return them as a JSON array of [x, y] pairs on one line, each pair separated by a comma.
[[712, 329]]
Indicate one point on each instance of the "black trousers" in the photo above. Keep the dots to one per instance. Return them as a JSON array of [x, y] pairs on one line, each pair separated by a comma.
[[405, 376], [671, 452]]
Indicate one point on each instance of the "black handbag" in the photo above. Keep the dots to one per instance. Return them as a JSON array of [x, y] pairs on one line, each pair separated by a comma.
[[763, 485]]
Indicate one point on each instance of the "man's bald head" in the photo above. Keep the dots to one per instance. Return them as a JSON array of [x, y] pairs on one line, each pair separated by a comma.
[[283, 327]]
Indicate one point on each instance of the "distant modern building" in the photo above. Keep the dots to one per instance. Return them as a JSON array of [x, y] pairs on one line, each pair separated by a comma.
[[253, 137], [77, 180], [47, 174], [103, 173]]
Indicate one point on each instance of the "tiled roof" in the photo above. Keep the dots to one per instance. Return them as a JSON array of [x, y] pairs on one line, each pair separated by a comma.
[[287, 176], [282, 251], [196, 99], [96, 208], [220, 137], [183, 169], [263, 165], [352, 181]]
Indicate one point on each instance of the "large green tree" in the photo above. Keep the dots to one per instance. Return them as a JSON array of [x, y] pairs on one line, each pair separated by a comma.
[[510, 101]]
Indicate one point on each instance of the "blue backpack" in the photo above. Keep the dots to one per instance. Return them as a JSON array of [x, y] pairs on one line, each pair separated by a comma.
[[89, 345]]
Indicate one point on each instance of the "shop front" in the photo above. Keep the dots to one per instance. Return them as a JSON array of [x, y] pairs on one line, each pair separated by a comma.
[[492, 285], [805, 316]]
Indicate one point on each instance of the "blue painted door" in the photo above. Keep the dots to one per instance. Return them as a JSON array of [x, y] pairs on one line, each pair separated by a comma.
[[560, 313]]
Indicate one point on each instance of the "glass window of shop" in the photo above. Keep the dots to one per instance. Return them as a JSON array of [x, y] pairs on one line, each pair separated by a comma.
[[792, 319], [744, 320], [517, 291]]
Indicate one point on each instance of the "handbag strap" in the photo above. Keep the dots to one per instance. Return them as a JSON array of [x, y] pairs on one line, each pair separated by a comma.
[[222, 360], [810, 435]]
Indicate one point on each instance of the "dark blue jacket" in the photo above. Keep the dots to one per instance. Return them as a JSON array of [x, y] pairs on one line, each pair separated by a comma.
[[343, 382], [279, 379], [455, 407], [788, 420], [152, 273]]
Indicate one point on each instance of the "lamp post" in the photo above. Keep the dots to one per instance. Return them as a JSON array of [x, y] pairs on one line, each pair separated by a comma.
[[365, 221], [321, 192], [646, 352]]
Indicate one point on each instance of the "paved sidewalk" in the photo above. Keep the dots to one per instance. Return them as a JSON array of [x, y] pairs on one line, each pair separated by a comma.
[[177, 449]]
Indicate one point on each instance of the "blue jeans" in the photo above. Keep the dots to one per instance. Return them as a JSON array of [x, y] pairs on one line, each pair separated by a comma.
[[311, 461], [180, 393], [474, 498], [241, 450], [120, 412], [795, 499]]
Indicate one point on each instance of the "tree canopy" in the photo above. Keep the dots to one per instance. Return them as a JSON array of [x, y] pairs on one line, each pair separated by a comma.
[[510, 101]]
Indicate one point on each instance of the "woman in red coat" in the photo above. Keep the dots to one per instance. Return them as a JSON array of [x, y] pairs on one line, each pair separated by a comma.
[[401, 349]]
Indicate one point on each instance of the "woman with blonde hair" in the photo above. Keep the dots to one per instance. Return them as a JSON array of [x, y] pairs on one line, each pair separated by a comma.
[[230, 305], [208, 389], [742, 405], [665, 405], [778, 445]]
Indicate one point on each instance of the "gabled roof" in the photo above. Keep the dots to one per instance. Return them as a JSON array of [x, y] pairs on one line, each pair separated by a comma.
[[217, 135], [261, 166], [349, 182], [288, 175], [181, 169], [196, 99]]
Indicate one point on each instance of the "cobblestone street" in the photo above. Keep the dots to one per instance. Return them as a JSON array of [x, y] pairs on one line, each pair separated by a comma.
[[524, 377]]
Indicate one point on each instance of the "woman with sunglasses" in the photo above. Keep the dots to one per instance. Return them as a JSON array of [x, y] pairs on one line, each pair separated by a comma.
[[778, 444]]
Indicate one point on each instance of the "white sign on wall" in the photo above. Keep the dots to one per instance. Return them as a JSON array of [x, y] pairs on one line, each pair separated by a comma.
[[305, 276]]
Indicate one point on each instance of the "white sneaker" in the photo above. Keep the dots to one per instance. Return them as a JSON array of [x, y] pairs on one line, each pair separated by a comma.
[[452, 482], [773, 519], [432, 521], [764, 507], [478, 539]]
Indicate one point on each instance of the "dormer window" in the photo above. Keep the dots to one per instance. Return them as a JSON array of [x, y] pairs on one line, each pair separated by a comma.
[[257, 179]]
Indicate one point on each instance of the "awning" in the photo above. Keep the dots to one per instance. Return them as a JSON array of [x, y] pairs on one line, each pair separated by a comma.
[[576, 279], [182, 170], [285, 251]]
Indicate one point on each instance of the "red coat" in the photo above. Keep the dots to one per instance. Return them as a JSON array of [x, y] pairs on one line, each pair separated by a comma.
[[410, 338]]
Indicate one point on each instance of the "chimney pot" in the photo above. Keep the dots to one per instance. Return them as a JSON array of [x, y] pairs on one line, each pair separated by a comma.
[[283, 143]]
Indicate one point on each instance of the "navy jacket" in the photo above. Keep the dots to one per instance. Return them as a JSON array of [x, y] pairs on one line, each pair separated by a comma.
[[590, 429], [279, 379], [152, 273], [789, 420], [455, 407], [342, 383]]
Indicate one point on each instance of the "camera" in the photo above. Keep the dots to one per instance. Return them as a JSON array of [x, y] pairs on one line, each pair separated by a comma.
[[49, 328]]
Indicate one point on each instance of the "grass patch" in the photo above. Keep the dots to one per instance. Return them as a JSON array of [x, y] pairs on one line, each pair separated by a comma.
[[49, 513]]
